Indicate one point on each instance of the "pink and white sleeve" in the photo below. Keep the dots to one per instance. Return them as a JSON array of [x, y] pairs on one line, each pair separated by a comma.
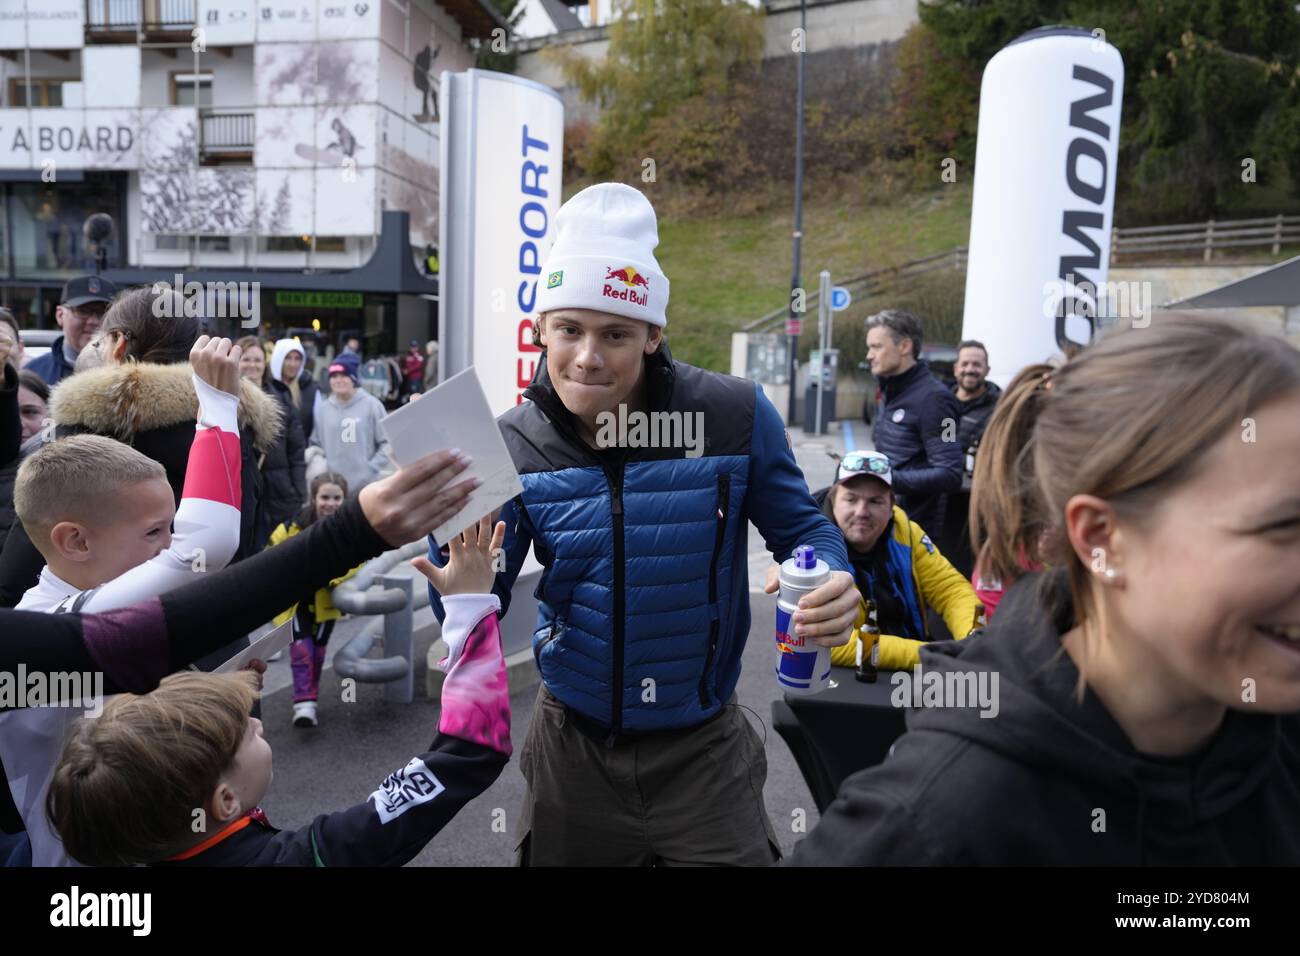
[[475, 695]]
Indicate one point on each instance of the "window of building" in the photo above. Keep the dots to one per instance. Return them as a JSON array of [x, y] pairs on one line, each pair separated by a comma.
[[288, 243], [37, 92], [186, 243], [303, 244], [44, 224], [191, 89]]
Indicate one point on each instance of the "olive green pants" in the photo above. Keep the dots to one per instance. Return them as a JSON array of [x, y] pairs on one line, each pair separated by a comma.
[[690, 797]]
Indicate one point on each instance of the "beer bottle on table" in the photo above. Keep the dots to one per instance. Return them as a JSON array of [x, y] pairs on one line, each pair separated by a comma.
[[868, 636]]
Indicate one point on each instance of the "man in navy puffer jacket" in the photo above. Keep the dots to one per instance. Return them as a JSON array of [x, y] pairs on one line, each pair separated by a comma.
[[640, 476], [917, 424]]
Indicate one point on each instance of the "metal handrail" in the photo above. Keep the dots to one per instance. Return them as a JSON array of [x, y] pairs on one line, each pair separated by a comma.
[[1274, 231], [397, 600], [1200, 226], [867, 282], [354, 596]]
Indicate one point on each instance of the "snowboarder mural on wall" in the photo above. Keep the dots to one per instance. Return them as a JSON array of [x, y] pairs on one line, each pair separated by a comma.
[[343, 148], [426, 82]]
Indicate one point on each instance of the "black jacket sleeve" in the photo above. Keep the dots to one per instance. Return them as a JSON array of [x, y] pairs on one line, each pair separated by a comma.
[[20, 565], [296, 445], [213, 611], [408, 809], [137, 646], [864, 827], [11, 426]]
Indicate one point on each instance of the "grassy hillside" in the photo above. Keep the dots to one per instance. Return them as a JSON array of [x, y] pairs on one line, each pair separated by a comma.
[[728, 271]]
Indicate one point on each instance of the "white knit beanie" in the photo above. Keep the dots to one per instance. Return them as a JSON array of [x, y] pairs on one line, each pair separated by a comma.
[[603, 257], [280, 352]]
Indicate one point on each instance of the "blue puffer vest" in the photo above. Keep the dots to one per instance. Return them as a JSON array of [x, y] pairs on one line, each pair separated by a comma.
[[646, 587]]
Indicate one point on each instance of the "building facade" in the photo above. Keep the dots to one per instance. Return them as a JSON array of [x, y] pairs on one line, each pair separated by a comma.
[[264, 138]]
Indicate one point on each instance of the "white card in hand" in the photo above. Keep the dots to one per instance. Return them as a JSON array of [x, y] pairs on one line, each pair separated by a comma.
[[456, 414], [262, 649]]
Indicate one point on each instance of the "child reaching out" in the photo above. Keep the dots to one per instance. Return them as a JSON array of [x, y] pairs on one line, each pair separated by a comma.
[[127, 787], [313, 617]]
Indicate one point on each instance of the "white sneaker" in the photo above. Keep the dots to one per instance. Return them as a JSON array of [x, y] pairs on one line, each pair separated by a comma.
[[304, 713]]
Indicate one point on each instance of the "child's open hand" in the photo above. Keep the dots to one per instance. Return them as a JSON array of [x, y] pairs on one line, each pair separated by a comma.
[[470, 570], [216, 361]]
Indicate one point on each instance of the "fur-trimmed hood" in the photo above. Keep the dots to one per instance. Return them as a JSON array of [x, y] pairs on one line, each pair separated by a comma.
[[124, 400]]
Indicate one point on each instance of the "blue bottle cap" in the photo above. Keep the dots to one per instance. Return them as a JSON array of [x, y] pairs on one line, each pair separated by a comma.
[[805, 557]]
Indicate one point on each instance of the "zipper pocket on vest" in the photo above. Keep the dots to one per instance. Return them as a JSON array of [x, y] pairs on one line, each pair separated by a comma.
[[720, 530]]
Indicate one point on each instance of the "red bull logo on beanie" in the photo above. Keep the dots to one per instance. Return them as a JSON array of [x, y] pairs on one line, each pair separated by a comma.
[[630, 279]]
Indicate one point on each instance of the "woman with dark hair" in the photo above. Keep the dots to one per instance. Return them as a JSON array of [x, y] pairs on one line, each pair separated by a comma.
[[282, 466], [133, 383]]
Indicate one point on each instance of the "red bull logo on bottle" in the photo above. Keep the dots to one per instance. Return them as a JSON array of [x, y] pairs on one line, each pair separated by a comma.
[[800, 668]]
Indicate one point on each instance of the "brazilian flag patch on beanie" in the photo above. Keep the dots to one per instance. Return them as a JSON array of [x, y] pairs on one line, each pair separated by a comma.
[[555, 279]]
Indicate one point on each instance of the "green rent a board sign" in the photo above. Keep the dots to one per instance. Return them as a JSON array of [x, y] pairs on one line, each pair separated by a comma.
[[320, 300]]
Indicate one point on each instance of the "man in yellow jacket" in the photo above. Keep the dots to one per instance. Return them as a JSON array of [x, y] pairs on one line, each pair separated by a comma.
[[895, 564]]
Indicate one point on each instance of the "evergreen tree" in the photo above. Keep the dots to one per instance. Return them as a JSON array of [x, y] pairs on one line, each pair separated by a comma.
[[1208, 84]]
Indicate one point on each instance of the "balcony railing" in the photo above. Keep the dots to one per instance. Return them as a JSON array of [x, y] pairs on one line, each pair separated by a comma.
[[226, 134], [149, 16]]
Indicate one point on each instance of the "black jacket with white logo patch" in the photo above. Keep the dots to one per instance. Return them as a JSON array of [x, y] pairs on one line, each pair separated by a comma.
[[407, 809]]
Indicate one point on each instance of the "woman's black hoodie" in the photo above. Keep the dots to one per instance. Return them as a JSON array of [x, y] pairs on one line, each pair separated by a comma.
[[1051, 781]]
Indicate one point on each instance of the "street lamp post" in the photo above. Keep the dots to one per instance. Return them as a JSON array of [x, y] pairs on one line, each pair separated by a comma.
[[793, 322], [97, 230]]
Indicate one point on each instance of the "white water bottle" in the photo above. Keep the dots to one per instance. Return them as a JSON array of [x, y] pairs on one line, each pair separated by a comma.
[[801, 667]]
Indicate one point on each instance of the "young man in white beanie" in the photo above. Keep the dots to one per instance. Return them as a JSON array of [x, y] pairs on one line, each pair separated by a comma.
[[638, 753]]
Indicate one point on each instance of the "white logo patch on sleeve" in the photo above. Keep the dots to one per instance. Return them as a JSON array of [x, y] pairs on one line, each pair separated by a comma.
[[402, 789]]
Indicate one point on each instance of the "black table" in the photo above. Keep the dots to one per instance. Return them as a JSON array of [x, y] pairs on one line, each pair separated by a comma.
[[847, 727]]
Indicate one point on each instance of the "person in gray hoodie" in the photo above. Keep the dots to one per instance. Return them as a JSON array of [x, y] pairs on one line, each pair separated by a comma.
[[347, 428]]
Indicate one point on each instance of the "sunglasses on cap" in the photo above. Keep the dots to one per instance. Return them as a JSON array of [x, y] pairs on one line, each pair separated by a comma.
[[858, 461]]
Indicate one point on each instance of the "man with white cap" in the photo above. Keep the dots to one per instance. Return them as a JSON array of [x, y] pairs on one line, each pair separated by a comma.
[[638, 753], [895, 565]]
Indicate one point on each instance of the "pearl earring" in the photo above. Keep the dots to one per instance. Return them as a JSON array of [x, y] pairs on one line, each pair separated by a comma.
[[1111, 574]]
